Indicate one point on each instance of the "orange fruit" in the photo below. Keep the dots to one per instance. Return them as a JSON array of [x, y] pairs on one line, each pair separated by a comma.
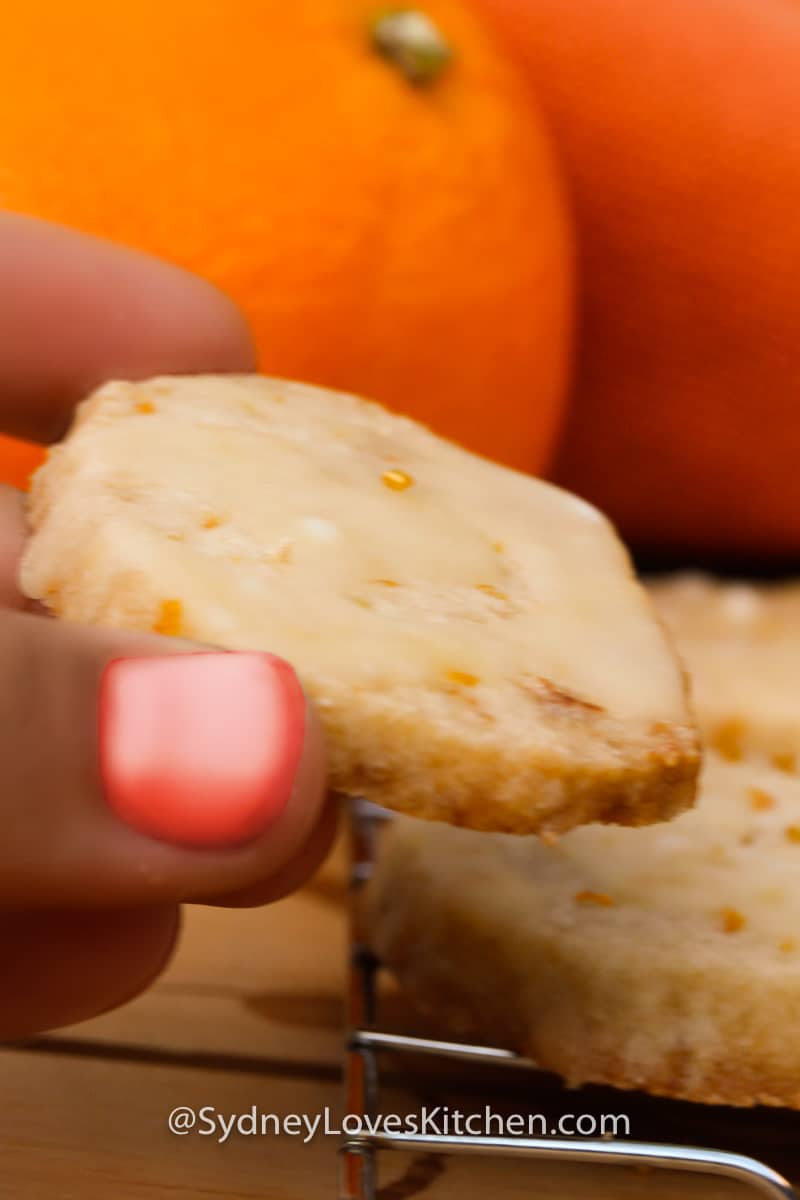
[[18, 460], [405, 239], [677, 127]]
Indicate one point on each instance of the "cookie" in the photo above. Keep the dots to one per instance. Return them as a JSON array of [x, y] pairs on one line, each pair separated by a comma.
[[664, 958], [476, 643], [741, 643], [667, 958]]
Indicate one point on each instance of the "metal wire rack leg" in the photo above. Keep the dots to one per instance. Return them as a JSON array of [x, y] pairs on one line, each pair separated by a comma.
[[358, 1154]]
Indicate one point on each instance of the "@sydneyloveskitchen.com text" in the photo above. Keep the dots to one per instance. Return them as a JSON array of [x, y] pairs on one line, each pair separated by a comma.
[[435, 1121]]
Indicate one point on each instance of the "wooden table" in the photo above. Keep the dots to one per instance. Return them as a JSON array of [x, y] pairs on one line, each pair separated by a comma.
[[250, 1013]]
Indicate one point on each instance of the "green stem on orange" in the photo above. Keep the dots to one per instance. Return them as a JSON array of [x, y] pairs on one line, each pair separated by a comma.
[[409, 39]]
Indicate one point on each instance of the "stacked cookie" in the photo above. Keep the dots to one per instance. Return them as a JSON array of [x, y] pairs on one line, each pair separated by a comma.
[[665, 958]]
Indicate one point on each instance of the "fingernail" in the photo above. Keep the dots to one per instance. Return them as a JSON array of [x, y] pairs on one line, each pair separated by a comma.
[[200, 749]]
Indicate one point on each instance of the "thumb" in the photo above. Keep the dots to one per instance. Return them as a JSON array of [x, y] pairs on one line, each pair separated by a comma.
[[141, 770]]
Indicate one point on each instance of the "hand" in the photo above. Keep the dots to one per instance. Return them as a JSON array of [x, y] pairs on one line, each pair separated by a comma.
[[91, 878]]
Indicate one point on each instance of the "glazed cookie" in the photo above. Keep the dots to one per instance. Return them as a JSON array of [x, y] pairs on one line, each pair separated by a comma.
[[475, 640]]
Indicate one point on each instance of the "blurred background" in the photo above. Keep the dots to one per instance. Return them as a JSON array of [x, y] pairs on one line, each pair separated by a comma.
[[563, 232]]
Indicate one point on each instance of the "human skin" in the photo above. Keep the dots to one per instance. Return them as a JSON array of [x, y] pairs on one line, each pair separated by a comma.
[[89, 906]]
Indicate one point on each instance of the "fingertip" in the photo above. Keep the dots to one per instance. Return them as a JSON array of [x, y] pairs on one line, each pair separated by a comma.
[[237, 342], [12, 539], [295, 873], [76, 311], [156, 943], [173, 772], [66, 967], [204, 322]]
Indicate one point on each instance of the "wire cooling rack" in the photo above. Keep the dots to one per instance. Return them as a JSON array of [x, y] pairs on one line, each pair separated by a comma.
[[366, 1041]]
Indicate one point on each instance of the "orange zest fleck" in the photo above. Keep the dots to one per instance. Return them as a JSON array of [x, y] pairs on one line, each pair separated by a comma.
[[600, 898], [18, 460], [397, 481], [732, 920], [760, 799], [498, 547], [787, 945], [170, 617], [792, 833], [728, 739], [784, 761], [145, 406], [490, 590], [385, 582], [211, 522], [463, 677]]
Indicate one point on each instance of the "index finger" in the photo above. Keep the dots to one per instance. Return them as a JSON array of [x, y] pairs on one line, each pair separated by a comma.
[[76, 310]]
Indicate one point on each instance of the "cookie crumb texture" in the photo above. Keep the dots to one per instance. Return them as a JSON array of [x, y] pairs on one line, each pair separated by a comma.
[[476, 643]]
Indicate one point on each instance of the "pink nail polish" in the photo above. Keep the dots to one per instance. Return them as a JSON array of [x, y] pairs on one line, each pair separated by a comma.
[[200, 749]]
